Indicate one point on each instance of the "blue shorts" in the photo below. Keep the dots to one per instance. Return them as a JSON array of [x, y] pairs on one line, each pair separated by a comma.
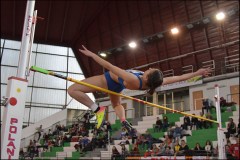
[[112, 85]]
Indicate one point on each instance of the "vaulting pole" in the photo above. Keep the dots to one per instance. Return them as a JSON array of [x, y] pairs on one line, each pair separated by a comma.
[[40, 70]]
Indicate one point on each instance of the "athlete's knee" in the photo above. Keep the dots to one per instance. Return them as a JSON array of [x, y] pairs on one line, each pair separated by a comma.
[[71, 90], [117, 105]]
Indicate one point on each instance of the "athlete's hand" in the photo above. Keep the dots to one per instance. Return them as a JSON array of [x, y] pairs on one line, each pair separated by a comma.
[[86, 51], [204, 72]]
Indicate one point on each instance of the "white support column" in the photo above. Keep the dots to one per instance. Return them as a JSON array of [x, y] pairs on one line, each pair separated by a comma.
[[155, 101], [165, 102], [182, 106], [34, 22], [220, 133], [173, 104], [27, 27], [16, 93], [13, 118]]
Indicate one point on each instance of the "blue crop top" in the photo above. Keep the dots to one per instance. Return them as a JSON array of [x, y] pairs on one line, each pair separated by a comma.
[[119, 86], [136, 73]]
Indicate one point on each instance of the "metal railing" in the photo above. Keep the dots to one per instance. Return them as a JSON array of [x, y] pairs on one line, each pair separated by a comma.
[[209, 64], [187, 69], [168, 73], [232, 62]]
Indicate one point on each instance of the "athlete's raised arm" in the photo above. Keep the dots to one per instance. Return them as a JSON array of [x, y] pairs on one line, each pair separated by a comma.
[[128, 77]]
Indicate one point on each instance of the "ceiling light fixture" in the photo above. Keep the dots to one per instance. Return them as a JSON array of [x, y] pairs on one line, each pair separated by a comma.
[[160, 35], [145, 40], [132, 44], [189, 26], [119, 49], [231, 12], [206, 20], [220, 16], [174, 30], [102, 54]]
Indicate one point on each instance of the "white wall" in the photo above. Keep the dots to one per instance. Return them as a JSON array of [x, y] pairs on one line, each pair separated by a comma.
[[209, 90], [47, 122]]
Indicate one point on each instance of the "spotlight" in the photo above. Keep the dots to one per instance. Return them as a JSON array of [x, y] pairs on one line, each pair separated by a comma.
[[206, 20], [231, 12], [174, 30], [132, 44], [102, 54], [220, 16], [145, 40], [119, 49], [189, 26], [160, 35]]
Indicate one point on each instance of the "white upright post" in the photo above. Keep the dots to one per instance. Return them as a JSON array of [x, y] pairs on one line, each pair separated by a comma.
[[34, 22], [220, 134], [109, 137], [16, 95], [27, 27], [173, 104], [165, 102], [13, 118], [155, 100]]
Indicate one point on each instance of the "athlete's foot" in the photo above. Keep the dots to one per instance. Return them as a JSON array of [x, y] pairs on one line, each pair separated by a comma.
[[131, 131], [100, 116]]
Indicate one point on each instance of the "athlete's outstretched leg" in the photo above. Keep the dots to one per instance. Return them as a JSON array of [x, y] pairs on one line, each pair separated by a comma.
[[78, 92], [119, 109], [120, 112]]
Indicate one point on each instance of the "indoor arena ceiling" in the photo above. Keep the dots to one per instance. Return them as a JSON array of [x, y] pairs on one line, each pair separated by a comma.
[[110, 25]]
